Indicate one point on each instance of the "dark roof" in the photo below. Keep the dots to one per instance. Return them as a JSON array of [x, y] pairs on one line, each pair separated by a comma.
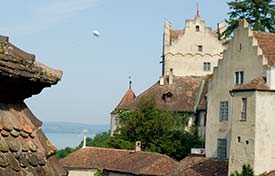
[[258, 83], [117, 160], [266, 42], [24, 149], [184, 90], [201, 166], [20, 64]]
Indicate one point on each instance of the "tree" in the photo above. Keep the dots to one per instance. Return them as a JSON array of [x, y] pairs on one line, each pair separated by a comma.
[[100, 140], [260, 14], [246, 171], [158, 130]]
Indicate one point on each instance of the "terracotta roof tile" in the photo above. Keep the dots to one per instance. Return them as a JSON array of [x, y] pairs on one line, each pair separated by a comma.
[[266, 42], [201, 166], [17, 63], [184, 92], [258, 83], [24, 154], [128, 97], [126, 161], [24, 149]]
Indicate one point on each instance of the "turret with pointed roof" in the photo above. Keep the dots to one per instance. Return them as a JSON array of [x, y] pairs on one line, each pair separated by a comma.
[[128, 97]]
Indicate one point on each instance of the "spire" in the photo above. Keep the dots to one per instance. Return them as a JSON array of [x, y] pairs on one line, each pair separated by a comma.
[[130, 82], [198, 10]]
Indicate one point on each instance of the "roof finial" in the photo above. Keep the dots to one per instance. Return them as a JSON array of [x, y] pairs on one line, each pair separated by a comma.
[[130, 82], [198, 10]]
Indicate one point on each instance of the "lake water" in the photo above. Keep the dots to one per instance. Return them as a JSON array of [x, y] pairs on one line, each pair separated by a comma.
[[63, 140]]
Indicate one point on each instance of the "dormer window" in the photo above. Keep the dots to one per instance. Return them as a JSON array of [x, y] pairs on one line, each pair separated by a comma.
[[167, 97], [197, 28], [200, 49]]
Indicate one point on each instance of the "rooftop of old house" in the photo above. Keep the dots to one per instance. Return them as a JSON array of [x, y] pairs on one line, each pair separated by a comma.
[[185, 94], [24, 148], [123, 161]]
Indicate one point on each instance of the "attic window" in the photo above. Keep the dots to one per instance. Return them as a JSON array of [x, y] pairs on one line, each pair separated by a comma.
[[200, 49], [167, 98], [197, 28]]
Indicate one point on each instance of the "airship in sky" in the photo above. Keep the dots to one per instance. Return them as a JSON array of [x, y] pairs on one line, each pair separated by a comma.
[[96, 33]]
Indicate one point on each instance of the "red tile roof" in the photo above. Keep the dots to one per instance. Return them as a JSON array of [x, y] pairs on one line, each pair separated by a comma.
[[258, 83], [24, 148], [184, 92], [117, 160], [20, 64], [128, 97], [201, 166], [266, 42]]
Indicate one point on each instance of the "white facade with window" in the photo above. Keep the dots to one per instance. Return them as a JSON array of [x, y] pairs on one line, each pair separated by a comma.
[[238, 66], [188, 49]]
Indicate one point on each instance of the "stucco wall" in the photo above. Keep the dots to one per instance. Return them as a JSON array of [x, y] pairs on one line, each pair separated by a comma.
[[241, 55], [243, 132], [82, 172], [265, 132], [182, 54]]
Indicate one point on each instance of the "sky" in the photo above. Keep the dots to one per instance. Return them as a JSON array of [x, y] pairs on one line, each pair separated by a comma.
[[96, 69]]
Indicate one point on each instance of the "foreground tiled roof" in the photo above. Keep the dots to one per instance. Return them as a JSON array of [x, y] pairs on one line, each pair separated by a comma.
[[116, 160], [258, 83], [24, 149], [19, 64], [184, 92], [266, 42], [201, 166]]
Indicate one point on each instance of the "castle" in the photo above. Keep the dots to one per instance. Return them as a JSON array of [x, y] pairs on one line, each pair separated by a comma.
[[227, 85]]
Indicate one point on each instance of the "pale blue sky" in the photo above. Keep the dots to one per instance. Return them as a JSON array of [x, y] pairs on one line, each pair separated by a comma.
[[96, 70]]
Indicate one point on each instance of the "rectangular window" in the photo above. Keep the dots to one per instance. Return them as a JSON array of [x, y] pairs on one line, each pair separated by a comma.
[[239, 77], [244, 109], [200, 49], [206, 66], [223, 111], [221, 149]]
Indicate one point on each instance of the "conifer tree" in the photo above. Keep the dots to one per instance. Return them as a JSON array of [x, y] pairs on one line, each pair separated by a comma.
[[260, 14]]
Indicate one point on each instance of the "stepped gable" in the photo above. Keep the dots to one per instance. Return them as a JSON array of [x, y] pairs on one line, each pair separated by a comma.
[[201, 166], [184, 92], [24, 148], [266, 42], [122, 161]]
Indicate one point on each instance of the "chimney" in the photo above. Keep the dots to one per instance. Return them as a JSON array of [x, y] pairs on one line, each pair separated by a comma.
[[270, 77], [138, 146], [84, 138], [170, 78], [161, 81]]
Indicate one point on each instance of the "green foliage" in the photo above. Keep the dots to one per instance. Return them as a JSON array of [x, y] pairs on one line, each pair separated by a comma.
[[246, 171], [260, 14], [158, 130], [99, 172], [100, 140], [64, 152]]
